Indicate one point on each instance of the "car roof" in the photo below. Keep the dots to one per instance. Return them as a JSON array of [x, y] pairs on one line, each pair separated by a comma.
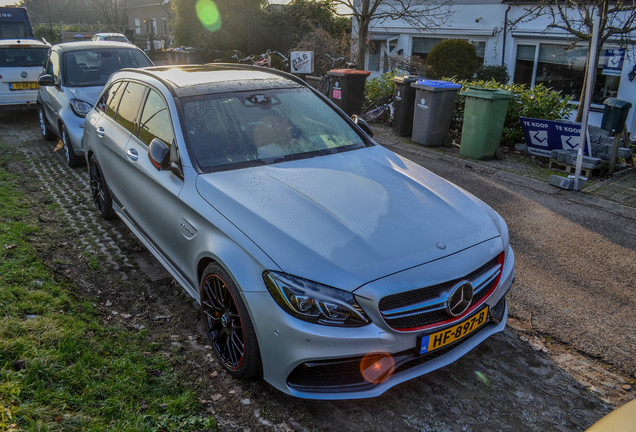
[[76, 46], [24, 42], [192, 80]]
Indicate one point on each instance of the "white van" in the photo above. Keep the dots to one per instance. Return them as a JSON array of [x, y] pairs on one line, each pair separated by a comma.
[[21, 62]]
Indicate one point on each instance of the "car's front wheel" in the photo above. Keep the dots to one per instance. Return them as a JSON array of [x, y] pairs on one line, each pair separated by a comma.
[[47, 133], [228, 324], [102, 199], [72, 159]]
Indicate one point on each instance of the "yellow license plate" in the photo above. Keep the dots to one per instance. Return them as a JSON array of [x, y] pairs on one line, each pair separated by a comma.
[[29, 85], [442, 338]]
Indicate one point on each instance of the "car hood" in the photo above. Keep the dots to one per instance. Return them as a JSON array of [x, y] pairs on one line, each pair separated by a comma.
[[349, 218], [87, 94]]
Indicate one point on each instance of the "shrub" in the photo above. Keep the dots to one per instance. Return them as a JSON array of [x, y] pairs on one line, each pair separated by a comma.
[[537, 102], [452, 58], [492, 72], [51, 35], [380, 87]]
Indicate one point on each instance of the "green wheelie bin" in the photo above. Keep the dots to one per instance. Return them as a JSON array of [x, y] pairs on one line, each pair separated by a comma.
[[484, 117]]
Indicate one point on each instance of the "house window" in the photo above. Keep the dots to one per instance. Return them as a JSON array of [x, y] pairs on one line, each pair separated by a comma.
[[562, 69], [164, 25], [524, 64], [423, 46], [154, 27], [137, 26], [480, 50]]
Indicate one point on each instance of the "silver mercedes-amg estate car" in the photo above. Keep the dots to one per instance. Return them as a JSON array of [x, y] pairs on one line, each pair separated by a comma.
[[322, 261]]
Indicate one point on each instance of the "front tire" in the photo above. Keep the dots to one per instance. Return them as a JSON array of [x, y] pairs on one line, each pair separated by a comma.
[[47, 134], [228, 324], [72, 159], [102, 199]]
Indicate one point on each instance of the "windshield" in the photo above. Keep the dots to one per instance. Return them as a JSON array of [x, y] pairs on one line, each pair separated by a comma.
[[226, 131], [23, 57], [93, 67]]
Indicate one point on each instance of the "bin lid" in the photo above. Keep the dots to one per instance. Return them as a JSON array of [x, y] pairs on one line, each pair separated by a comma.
[[405, 79], [343, 72], [486, 93], [429, 84], [617, 103]]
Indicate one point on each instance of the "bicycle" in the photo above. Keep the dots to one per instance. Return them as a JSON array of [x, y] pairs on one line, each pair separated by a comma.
[[264, 60], [325, 83], [381, 108]]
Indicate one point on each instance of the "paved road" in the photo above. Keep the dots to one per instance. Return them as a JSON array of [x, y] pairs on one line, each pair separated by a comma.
[[505, 384], [575, 256]]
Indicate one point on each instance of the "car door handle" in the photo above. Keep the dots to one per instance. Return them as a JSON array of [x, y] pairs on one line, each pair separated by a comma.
[[132, 155], [100, 131]]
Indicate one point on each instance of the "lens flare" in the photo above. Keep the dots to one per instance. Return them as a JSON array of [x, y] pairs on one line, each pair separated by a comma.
[[208, 14], [377, 367]]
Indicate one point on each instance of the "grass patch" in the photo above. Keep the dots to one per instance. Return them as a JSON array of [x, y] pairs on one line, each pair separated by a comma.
[[61, 367]]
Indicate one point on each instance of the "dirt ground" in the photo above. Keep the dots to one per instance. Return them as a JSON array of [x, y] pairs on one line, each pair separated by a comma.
[[516, 380]]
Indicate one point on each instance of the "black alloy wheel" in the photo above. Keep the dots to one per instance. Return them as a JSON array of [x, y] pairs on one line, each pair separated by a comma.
[[228, 325], [99, 190]]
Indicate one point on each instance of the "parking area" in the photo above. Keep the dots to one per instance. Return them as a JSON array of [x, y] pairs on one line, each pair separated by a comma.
[[518, 380]]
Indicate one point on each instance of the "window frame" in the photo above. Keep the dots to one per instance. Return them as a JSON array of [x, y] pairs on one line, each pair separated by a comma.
[[555, 41]]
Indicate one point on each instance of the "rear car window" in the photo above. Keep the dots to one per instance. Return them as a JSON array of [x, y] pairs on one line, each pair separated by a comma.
[[23, 57]]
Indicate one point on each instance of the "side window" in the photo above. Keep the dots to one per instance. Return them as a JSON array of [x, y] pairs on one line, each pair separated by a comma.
[[131, 99], [53, 65], [155, 120], [110, 99], [113, 100]]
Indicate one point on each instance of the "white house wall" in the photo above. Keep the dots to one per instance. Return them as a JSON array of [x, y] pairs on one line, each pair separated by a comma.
[[484, 21]]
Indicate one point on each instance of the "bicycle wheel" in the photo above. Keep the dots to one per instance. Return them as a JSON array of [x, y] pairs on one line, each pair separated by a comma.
[[384, 100], [375, 114]]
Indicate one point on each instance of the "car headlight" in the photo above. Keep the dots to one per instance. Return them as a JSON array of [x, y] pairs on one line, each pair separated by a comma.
[[314, 302], [80, 108]]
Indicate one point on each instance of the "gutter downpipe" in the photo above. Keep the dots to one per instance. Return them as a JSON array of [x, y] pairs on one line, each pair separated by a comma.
[[505, 35]]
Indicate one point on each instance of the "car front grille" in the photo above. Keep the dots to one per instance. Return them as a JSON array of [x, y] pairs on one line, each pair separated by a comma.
[[424, 308]]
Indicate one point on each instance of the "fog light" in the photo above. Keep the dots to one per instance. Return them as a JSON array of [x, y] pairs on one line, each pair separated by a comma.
[[377, 367]]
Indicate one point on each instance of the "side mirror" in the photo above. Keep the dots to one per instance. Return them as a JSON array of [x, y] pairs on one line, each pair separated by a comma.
[[159, 154], [363, 124], [46, 80]]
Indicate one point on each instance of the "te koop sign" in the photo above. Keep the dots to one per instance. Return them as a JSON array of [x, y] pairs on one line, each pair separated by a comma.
[[543, 136]]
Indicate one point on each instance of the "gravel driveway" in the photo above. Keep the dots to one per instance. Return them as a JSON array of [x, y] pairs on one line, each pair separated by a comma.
[[521, 380]]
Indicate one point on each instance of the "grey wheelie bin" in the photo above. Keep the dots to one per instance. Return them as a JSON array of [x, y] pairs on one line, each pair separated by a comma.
[[484, 117], [404, 104], [433, 110]]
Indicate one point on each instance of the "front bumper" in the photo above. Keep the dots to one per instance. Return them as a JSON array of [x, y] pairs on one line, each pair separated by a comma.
[[320, 362]]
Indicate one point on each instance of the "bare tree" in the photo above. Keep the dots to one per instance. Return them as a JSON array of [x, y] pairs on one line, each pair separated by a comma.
[[112, 11], [617, 19], [417, 13]]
